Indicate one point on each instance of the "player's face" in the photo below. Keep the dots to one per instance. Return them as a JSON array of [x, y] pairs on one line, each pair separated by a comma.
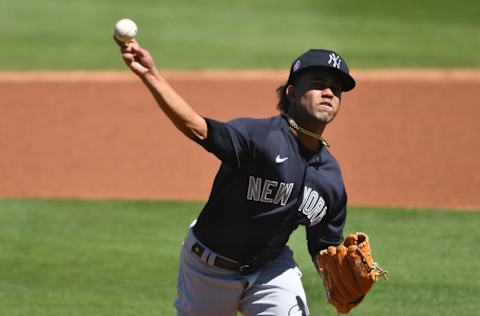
[[316, 96]]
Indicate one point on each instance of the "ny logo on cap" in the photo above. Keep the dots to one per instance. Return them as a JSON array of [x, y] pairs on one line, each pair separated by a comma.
[[335, 59]]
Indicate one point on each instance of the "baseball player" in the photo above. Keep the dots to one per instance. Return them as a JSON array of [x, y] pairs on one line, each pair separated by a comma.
[[276, 174]]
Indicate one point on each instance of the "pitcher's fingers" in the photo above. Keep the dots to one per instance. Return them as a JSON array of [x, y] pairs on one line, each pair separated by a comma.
[[131, 48], [119, 42], [128, 58], [134, 48], [139, 50]]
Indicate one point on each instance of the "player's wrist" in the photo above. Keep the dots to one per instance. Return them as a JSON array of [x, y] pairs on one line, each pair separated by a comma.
[[152, 75]]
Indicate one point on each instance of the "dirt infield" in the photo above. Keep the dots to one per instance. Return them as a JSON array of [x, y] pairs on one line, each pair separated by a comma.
[[403, 138]]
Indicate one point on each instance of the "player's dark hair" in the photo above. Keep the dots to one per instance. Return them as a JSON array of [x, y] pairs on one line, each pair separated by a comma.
[[283, 103]]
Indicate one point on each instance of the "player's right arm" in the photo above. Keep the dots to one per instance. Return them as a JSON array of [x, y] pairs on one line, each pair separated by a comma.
[[182, 115]]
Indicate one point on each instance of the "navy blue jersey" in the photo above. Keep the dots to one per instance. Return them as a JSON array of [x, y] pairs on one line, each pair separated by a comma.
[[267, 185]]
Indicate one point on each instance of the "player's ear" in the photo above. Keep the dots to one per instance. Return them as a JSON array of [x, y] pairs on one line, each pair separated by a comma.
[[290, 93]]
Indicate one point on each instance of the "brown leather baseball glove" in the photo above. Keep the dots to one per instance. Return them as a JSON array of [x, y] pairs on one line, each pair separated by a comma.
[[348, 271]]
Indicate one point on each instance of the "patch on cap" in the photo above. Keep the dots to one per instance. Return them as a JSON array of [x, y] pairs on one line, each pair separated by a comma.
[[335, 59], [296, 65]]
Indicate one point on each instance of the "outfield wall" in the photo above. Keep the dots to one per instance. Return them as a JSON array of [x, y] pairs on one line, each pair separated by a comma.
[[403, 138]]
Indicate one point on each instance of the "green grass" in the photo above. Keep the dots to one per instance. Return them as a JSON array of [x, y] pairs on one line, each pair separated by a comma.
[[120, 258], [90, 258], [67, 34]]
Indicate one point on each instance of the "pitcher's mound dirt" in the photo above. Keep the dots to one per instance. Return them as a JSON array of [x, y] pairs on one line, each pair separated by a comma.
[[403, 138]]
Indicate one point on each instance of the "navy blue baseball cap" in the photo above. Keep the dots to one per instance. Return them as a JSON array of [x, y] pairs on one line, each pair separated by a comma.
[[324, 60]]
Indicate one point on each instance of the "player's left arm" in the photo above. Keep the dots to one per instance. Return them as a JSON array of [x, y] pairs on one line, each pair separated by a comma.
[[329, 232]]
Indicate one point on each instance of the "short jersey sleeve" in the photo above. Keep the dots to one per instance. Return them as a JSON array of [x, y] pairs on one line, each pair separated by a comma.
[[329, 232], [231, 142]]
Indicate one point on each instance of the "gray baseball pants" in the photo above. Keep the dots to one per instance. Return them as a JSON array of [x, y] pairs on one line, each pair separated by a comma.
[[206, 290]]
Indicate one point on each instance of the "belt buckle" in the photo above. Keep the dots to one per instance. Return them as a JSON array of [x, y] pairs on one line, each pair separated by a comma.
[[197, 249], [244, 267]]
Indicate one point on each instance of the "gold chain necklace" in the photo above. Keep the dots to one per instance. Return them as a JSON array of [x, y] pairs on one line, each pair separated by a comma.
[[302, 130]]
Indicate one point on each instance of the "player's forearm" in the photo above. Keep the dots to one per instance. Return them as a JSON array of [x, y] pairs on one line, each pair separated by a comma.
[[175, 107]]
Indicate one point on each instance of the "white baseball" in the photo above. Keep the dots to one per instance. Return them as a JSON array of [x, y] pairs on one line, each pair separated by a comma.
[[125, 30]]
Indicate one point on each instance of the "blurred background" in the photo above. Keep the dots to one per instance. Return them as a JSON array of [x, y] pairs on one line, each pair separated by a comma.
[[55, 34]]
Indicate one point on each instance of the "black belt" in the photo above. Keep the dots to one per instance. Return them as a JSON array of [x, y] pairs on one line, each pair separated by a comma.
[[223, 262]]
